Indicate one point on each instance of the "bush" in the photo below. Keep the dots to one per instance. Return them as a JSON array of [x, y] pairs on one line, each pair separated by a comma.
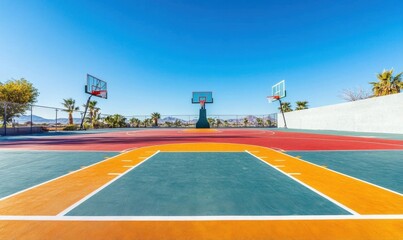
[[70, 128], [45, 129]]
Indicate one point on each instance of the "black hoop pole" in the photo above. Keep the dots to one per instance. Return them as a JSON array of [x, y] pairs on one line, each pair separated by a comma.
[[85, 111], [282, 113]]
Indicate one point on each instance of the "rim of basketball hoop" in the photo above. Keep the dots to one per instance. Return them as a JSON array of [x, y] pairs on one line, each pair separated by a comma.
[[98, 92], [273, 98]]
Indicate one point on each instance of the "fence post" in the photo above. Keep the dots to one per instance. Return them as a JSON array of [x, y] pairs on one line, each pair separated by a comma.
[[5, 117], [31, 119], [56, 122]]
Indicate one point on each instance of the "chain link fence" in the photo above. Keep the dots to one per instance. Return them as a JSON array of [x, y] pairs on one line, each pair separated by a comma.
[[217, 121], [17, 119]]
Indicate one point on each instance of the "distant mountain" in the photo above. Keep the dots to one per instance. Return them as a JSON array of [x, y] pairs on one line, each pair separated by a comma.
[[171, 119], [38, 119]]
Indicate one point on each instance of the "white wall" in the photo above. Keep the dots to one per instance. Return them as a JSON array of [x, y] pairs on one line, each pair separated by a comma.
[[379, 114]]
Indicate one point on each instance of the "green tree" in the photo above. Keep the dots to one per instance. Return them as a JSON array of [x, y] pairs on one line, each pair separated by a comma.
[[301, 105], [177, 123], [387, 83], [116, 121], [211, 121], [218, 122], [70, 107], [135, 122], [269, 122], [168, 124], [286, 107], [259, 122], [96, 118], [93, 113], [226, 123], [146, 122], [21, 92], [245, 122], [155, 116]]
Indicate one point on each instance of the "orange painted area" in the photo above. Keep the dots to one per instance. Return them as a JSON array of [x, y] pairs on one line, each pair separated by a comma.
[[357, 195], [208, 130], [55, 196], [197, 230]]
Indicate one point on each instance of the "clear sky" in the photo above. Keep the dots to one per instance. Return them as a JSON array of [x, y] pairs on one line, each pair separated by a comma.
[[153, 54]]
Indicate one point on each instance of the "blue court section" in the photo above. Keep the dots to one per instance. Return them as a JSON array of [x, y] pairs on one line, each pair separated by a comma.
[[384, 168], [23, 169], [67, 133], [197, 184]]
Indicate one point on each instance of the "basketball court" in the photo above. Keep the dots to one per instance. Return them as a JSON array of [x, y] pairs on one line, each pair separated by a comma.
[[201, 183]]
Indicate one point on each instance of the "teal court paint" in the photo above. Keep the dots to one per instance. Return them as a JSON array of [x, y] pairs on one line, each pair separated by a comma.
[[205, 184]]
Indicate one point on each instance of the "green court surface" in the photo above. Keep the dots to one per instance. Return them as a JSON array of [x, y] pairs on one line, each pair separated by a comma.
[[344, 133], [23, 169], [383, 168], [205, 184], [67, 133]]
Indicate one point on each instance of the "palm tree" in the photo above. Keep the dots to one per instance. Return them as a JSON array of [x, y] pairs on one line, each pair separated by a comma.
[[146, 122], [93, 110], [225, 123], [211, 121], [134, 122], [155, 116], [301, 105], [286, 106], [245, 121], [387, 84], [177, 123], [95, 118], [218, 122], [116, 121], [268, 122], [169, 124], [259, 121], [69, 104]]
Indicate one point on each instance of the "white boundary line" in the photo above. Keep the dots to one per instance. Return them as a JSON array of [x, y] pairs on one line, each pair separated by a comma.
[[64, 212], [309, 187], [52, 150], [202, 218], [349, 150], [327, 168], [343, 140], [54, 179]]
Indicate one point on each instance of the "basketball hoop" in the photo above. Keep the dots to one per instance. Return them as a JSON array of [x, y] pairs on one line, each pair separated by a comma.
[[202, 102], [272, 98]]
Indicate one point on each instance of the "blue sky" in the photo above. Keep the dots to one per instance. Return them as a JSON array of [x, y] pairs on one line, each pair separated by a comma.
[[153, 54]]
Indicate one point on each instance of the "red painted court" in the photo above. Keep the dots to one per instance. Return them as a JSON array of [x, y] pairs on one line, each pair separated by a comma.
[[120, 141]]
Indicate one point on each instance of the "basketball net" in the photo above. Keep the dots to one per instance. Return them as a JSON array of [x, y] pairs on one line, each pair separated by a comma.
[[272, 98], [101, 93], [202, 102]]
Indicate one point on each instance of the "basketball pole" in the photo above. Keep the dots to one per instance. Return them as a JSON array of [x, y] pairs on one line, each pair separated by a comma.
[[282, 113], [85, 112]]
